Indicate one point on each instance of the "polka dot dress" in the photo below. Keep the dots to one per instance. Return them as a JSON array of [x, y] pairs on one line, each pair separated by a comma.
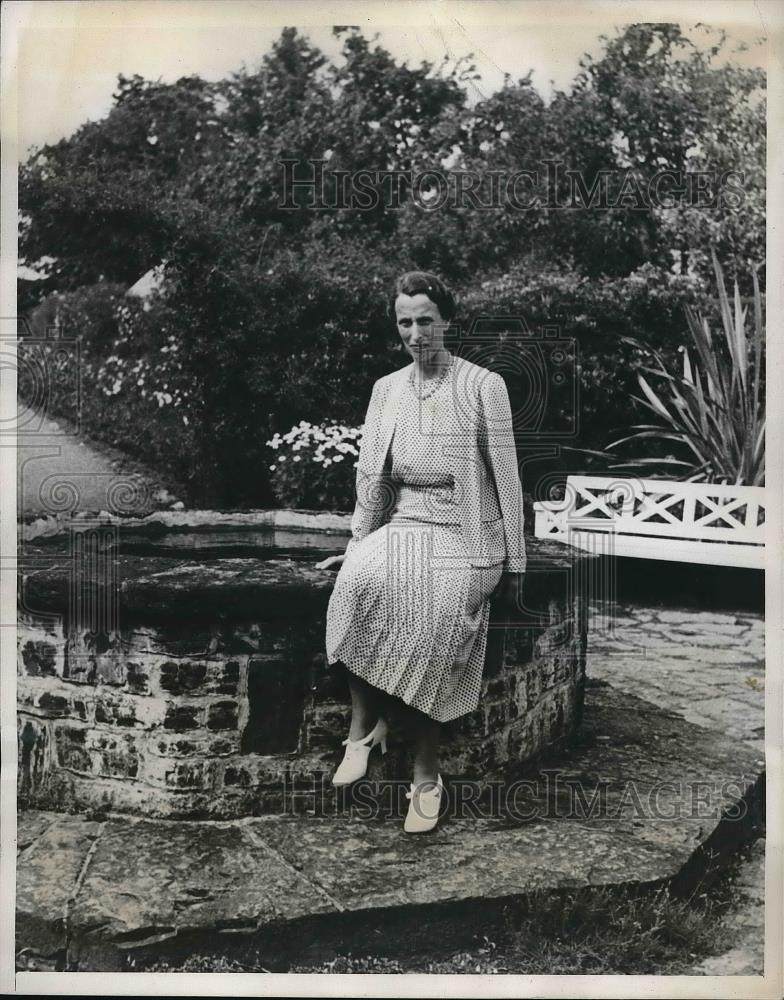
[[408, 613]]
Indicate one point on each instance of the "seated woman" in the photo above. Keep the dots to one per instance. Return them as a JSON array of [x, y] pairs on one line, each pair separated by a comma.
[[437, 528]]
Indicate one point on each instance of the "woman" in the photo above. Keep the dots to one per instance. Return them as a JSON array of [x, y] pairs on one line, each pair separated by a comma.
[[438, 519]]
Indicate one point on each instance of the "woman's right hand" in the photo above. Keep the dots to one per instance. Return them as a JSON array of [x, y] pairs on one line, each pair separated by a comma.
[[331, 561]]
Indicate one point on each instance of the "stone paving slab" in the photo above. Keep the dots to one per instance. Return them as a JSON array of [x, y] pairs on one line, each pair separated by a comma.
[[708, 667], [30, 826], [642, 772], [47, 875], [374, 865], [152, 881]]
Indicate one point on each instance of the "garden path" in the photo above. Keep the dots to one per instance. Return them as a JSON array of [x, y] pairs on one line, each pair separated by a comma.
[[709, 668], [57, 463]]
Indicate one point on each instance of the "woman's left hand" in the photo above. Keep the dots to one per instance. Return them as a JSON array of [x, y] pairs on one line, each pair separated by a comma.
[[331, 561]]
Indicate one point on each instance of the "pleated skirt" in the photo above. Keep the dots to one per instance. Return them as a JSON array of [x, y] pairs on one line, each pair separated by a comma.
[[410, 616]]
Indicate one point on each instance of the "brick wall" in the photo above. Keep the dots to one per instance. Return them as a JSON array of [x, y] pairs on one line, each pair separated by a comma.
[[140, 727], [227, 716]]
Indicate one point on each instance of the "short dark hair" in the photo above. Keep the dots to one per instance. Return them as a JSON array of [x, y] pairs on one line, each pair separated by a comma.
[[425, 283]]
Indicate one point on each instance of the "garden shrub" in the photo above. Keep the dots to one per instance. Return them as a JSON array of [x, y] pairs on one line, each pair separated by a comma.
[[269, 316]]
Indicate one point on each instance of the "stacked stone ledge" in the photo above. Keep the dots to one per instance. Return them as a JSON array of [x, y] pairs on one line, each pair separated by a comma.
[[212, 698]]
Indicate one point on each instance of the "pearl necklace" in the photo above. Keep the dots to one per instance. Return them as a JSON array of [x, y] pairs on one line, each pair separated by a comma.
[[432, 384]]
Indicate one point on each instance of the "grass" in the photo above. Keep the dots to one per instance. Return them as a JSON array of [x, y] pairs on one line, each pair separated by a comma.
[[599, 932]]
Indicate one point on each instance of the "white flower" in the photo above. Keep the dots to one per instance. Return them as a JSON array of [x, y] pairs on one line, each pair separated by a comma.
[[327, 154], [449, 161], [338, 458], [297, 458], [272, 468], [152, 139]]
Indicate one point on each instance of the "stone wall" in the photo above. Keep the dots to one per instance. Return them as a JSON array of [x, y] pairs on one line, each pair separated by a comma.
[[209, 695]]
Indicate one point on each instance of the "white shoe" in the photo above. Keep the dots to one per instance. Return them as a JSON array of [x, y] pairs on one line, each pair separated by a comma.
[[423, 810], [355, 760]]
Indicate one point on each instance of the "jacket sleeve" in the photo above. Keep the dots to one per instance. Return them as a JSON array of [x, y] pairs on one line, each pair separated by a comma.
[[502, 453], [375, 494]]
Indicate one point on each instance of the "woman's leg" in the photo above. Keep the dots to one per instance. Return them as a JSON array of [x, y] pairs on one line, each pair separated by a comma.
[[366, 703], [426, 732]]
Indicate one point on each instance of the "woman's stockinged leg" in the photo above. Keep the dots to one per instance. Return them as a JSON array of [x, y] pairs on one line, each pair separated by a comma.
[[427, 733], [366, 702]]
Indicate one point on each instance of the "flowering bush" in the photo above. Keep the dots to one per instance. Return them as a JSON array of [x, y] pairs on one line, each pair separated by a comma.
[[313, 465]]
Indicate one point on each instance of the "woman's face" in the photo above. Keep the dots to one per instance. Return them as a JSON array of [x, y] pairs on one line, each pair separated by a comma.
[[420, 325]]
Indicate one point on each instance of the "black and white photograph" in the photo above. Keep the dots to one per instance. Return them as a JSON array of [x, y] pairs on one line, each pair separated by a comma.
[[395, 564]]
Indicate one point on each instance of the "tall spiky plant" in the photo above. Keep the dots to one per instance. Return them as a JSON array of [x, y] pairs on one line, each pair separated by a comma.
[[716, 407]]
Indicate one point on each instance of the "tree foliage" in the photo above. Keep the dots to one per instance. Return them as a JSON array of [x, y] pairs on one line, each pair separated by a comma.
[[278, 315]]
